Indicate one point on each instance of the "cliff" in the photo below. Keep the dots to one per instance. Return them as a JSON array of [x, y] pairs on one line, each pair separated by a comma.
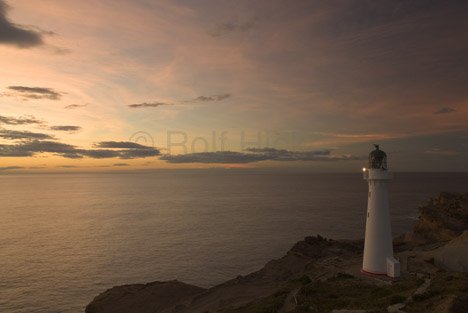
[[323, 275], [442, 219], [152, 297]]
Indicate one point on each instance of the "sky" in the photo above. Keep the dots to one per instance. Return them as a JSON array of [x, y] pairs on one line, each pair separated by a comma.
[[114, 85]]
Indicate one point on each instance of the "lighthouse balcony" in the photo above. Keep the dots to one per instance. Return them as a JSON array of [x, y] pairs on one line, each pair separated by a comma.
[[377, 174]]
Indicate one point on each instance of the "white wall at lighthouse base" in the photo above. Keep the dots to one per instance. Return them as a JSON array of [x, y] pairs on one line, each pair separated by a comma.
[[393, 267]]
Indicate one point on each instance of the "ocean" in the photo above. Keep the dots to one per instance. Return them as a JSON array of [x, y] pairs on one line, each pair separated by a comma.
[[64, 238]]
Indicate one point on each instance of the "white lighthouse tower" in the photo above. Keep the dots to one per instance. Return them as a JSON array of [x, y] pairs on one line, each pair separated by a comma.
[[378, 246]]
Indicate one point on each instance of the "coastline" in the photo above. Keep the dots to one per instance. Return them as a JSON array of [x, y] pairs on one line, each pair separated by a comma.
[[322, 275]]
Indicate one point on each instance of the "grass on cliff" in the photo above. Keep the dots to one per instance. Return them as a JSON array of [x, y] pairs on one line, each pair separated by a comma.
[[347, 292], [269, 304], [341, 292], [273, 303]]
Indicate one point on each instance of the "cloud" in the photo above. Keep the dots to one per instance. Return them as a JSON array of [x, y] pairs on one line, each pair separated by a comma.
[[61, 50], [138, 153], [120, 145], [286, 155], [17, 35], [438, 151], [148, 105], [444, 110], [219, 97], [13, 151], [8, 168], [23, 120], [35, 93], [129, 150], [97, 153], [214, 157], [66, 128], [23, 135], [226, 28], [256, 155], [31, 148], [75, 106], [45, 146]]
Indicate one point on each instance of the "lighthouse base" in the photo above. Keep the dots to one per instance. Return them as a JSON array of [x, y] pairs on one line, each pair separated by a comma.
[[393, 269], [363, 271]]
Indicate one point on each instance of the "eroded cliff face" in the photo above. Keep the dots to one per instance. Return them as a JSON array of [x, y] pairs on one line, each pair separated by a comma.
[[442, 219]]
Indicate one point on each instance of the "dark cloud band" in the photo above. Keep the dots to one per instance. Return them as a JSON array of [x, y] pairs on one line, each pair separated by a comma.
[[35, 93], [14, 34], [23, 135], [9, 168], [31, 148], [199, 99], [75, 106], [212, 98], [256, 155], [66, 128], [444, 110], [148, 105], [120, 145], [23, 120]]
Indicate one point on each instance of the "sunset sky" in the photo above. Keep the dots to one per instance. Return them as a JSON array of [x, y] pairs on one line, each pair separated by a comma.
[[102, 85]]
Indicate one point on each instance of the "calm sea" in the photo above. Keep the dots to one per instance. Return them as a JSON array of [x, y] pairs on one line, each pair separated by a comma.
[[64, 238]]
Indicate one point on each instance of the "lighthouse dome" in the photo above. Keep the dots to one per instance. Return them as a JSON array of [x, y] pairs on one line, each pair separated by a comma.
[[378, 159]]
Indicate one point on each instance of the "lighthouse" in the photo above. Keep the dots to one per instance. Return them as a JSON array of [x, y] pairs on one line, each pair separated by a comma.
[[378, 246]]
